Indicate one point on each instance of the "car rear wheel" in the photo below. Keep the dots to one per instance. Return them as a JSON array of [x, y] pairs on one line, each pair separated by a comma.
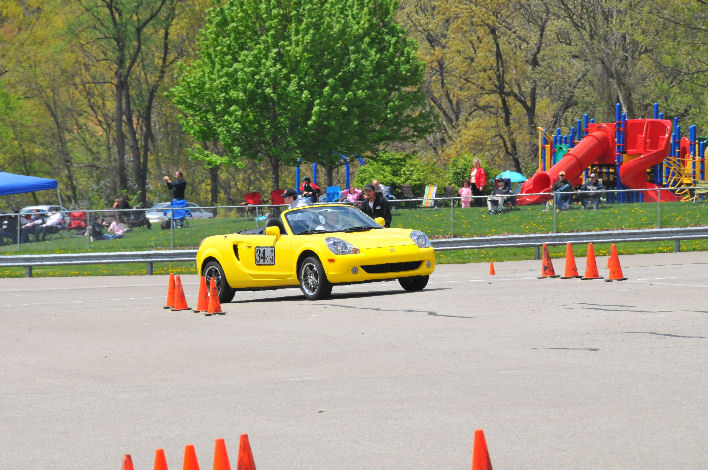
[[414, 283], [213, 270], [313, 280]]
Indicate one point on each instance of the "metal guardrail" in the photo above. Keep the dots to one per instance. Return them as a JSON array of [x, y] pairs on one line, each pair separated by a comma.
[[535, 240], [63, 259]]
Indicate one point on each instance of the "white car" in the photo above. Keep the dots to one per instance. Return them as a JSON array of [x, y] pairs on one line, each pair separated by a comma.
[[162, 212]]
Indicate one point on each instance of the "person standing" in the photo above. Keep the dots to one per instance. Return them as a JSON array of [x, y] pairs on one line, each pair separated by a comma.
[[293, 200], [478, 179], [375, 205], [465, 194], [177, 186]]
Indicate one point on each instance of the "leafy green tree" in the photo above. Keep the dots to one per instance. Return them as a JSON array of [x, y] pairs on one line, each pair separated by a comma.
[[396, 168], [281, 80]]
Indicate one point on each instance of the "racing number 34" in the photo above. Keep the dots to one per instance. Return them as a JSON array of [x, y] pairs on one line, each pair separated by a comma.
[[265, 255]]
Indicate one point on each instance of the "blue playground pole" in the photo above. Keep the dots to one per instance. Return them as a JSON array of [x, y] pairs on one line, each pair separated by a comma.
[[692, 149], [702, 153], [618, 148], [297, 174], [586, 118], [659, 167], [314, 172], [346, 170]]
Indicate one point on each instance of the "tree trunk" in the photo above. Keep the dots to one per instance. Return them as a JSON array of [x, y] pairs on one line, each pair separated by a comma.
[[275, 172]]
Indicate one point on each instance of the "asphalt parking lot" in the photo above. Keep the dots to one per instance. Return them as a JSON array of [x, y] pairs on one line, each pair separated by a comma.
[[560, 374]]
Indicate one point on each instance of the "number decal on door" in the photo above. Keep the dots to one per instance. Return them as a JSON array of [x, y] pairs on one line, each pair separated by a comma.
[[265, 255]]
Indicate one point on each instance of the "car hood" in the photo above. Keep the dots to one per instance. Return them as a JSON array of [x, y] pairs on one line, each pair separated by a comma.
[[376, 238]]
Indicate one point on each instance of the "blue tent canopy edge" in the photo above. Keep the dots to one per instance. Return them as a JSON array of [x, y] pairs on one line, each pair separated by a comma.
[[11, 183]]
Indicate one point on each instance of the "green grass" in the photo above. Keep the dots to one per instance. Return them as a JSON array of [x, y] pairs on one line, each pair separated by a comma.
[[436, 223]]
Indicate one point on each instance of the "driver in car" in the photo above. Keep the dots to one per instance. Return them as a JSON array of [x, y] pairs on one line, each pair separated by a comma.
[[330, 222]]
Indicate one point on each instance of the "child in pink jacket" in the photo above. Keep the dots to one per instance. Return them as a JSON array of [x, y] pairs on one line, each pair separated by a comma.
[[466, 193]]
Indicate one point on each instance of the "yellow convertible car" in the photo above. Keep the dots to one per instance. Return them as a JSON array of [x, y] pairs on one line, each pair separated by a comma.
[[315, 247]]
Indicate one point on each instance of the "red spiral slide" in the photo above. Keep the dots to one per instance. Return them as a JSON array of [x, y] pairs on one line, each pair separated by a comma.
[[647, 138], [650, 139]]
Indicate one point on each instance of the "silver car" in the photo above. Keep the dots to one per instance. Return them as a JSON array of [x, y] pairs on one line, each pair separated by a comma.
[[162, 212]]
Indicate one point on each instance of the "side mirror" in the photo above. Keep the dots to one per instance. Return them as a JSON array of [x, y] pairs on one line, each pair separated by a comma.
[[273, 231], [380, 221]]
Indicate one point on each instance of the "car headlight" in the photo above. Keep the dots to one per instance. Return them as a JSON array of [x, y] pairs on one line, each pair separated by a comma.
[[340, 247], [420, 239]]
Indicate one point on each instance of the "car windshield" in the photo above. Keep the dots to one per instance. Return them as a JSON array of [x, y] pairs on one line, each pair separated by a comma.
[[327, 219]]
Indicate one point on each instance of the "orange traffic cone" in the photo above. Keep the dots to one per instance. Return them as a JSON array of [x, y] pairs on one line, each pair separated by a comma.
[[190, 458], [491, 268], [180, 302], [127, 462], [203, 299], [615, 268], [591, 265], [170, 292], [480, 454], [160, 461], [245, 456], [214, 304], [547, 264], [221, 458], [571, 271]]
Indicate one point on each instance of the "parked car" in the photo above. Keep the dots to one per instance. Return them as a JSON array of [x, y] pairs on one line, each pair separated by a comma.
[[162, 212], [316, 247]]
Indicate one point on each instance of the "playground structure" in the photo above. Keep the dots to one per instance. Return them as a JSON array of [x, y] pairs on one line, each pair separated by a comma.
[[641, 154]]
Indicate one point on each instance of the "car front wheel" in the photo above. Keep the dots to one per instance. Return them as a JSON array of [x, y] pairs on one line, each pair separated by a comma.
[[313, 280], [414, 283], [213, 270]]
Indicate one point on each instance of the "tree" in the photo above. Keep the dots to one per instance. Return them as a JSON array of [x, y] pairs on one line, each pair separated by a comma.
[[281, 80], [118, 32]]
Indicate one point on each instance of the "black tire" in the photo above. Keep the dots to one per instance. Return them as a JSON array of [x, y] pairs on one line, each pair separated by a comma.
[[313, 280], [214, 270], [414, 283]]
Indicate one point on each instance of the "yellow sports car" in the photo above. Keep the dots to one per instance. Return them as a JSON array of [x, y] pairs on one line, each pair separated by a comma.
[[315, 247]]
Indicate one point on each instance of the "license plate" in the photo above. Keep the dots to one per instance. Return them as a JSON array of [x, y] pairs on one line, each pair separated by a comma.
[[265, 255]]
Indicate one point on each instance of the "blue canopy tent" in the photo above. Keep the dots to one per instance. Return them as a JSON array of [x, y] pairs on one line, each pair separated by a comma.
[[15, 184]]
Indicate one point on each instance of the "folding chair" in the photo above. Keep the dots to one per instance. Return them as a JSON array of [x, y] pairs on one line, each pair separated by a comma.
[[77, 222], [333, 193], [277, 196], [429, 196]]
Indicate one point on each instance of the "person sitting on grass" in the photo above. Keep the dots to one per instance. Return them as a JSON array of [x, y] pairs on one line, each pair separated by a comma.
[[117, 228]]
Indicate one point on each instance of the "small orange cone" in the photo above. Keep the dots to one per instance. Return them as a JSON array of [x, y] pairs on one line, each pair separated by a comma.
[[245, 456], [491, 268], [221, 458], [180, 302], [203, 299], [547, 264], [615, 268], [160, 461], [571, 270], [591, 265], [190, 458], [214, 304], [127, 462], [170, 292], [480, 454]]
